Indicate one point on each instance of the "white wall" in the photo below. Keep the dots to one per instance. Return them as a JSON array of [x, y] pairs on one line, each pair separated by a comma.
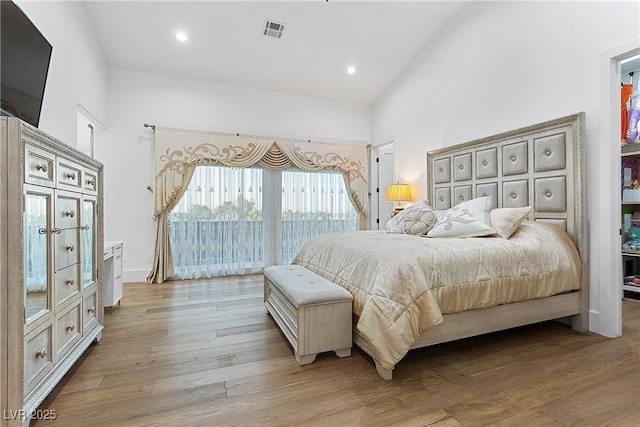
[[502, 66], [77, 72], [126, 147]]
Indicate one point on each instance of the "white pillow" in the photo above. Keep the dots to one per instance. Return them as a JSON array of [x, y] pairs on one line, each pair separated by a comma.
[[394, 225], [419, 221], [468, 219], [507, 220]]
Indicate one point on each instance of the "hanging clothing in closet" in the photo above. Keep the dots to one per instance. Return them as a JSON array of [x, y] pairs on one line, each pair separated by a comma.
[[633, 131], [625, 91]]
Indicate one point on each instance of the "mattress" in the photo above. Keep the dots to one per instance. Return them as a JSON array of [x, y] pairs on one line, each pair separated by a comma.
[[403, 284]]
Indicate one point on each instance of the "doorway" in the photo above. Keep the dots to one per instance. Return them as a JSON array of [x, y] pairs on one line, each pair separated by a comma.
[[384, 172], [630, 89], [606, 283]]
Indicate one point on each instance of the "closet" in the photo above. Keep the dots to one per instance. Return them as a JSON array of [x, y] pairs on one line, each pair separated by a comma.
[[630, 173], [51, 233]]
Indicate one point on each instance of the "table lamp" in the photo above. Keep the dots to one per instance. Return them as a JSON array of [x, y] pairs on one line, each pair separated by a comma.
[[398, 193]]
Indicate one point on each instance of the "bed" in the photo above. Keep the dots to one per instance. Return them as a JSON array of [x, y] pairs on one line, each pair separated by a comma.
[[412, 291]]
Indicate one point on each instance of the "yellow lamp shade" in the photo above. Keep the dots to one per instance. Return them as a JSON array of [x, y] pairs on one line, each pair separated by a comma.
[[398, 193]]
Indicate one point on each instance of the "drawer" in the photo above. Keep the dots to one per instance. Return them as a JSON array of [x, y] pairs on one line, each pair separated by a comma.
[[69, 175], [90, 309], [108, 252], [117, 264], [38, 359], [39, 167], [68, 329], [90, 181], [118, 289], [67, 248], [67, 210], [66, 283]]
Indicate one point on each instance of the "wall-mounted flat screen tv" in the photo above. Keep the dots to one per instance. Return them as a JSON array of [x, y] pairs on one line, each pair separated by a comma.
[[24, 63]]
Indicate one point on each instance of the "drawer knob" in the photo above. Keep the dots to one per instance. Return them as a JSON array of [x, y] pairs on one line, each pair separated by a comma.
[[92, 309], [71, 281], [71, 248], [70, 175], [91, 182], [69, 213], [43, 167], [71, 327], [41, 353]]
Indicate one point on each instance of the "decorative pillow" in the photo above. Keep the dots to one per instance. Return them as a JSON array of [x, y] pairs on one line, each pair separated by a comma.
[[468, 219], [394, 225], [419, 221], [507, 220]]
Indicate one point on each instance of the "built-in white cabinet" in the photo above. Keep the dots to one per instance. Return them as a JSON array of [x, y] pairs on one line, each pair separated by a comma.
[[113, 289], [51, 232]]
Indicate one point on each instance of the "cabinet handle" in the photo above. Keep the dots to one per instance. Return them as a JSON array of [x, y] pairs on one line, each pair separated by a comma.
[[92, 309], [71, 248], [69, 213], [70, 175], [43, 167], [71, 327], [71, 281], [53, 231], [41, 353], [91, 182]]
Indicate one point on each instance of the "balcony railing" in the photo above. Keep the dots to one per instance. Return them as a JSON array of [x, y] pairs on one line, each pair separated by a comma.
[[229, 242]]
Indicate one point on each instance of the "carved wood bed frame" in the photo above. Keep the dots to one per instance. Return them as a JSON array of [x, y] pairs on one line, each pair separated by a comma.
[[540, 166]]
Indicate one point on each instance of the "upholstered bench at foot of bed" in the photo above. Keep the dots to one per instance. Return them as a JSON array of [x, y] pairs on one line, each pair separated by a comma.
[[312, 312]]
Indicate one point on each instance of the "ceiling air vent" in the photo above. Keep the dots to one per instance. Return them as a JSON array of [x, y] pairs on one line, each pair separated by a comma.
[[273, 29]]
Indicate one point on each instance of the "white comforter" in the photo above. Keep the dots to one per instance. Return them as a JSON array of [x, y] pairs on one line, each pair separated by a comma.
[[402, 284]]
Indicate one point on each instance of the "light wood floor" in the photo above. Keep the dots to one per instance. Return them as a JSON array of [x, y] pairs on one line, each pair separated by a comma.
[[206, 354]]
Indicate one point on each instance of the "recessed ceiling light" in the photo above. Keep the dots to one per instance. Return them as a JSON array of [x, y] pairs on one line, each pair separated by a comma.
[[181, 36], [351, 70]]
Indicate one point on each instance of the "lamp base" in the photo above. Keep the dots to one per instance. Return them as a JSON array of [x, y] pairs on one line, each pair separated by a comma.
[[397, 210]]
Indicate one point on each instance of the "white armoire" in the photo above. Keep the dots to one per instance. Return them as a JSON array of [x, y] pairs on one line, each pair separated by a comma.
[[51, 233]]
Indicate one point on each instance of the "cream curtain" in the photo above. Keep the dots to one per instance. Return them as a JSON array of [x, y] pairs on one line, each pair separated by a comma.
[[178, 152]]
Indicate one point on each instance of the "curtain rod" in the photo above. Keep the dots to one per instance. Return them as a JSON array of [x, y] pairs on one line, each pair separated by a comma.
[[262, 136]]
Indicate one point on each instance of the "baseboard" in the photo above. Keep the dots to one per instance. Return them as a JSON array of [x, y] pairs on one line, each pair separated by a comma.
[[594, 322], [134, 276]]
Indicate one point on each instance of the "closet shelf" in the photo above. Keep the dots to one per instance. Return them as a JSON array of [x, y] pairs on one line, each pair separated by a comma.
[[630, 150]]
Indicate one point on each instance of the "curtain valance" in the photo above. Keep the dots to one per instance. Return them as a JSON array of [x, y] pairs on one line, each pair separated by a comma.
[[178, 151]]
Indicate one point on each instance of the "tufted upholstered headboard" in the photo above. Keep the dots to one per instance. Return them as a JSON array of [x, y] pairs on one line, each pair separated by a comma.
[[540, 166]]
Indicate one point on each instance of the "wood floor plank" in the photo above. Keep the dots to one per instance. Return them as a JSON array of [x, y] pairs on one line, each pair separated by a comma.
[[586, 406], [528, 418], [203, 353]]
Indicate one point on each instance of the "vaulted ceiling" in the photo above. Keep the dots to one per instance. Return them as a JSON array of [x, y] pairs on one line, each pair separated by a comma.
[[321, 39]]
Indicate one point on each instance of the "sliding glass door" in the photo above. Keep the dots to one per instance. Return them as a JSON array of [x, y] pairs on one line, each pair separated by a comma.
[[216, 228], [237, 221], [312, 204]]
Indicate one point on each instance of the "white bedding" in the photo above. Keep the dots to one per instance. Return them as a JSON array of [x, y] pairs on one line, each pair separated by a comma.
[[402, 284]]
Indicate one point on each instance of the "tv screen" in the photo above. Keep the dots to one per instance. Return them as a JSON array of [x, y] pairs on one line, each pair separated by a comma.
[[25, 55]]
